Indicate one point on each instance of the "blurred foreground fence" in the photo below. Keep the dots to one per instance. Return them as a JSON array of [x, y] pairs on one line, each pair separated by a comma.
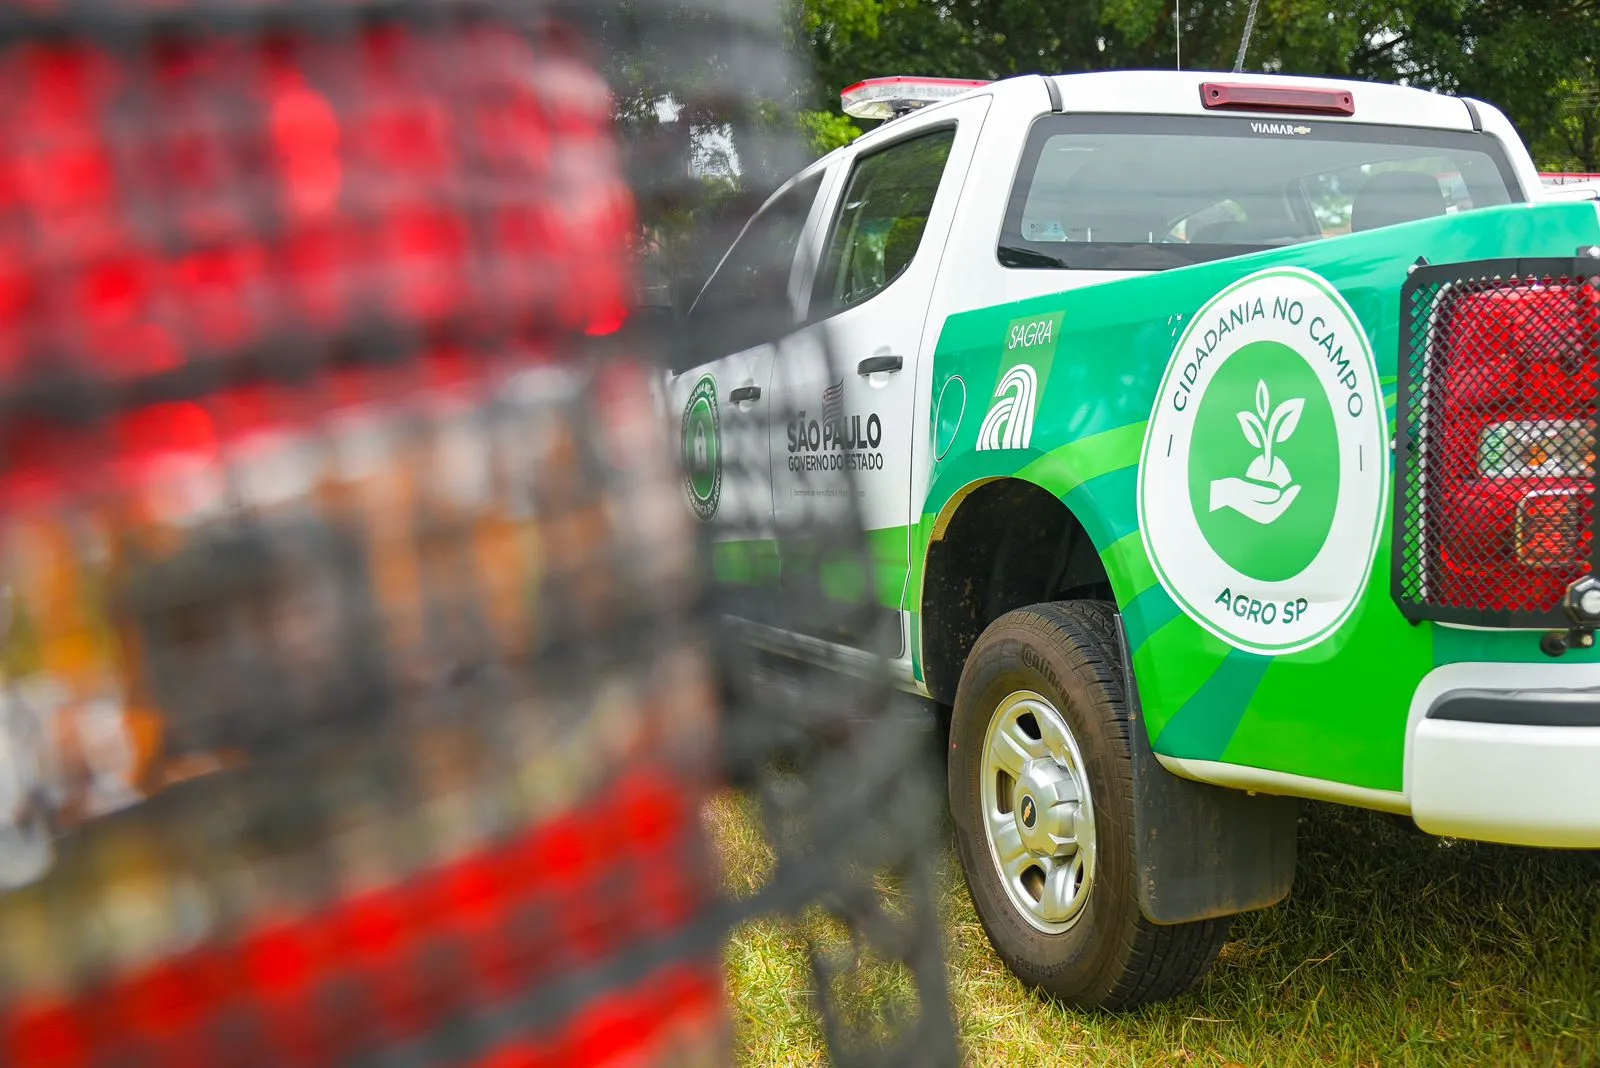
[[364, 667]]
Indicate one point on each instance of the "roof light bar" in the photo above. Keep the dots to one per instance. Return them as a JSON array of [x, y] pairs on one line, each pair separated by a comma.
[[1302, 100], [886, 98]]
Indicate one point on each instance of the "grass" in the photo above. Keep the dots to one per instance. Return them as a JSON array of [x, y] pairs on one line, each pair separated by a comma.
[[1393, 949]]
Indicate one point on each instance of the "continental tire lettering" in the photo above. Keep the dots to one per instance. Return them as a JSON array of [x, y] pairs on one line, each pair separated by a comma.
[[1034, 662]]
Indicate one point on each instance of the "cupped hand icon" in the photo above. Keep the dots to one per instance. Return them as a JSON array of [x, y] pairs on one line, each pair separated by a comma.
[[1263, 503]]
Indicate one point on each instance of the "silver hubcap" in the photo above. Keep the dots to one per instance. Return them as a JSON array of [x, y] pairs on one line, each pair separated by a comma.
[[1037, 813]]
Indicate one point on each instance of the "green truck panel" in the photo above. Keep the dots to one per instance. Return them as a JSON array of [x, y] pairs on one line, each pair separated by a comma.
[[1335, 709]]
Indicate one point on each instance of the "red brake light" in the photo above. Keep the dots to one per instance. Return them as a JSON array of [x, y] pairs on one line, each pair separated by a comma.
[[1295, 99], [1512, 469]]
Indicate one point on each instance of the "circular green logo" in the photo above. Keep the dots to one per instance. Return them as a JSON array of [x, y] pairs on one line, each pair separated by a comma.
[[1264, 466], [702, 448]]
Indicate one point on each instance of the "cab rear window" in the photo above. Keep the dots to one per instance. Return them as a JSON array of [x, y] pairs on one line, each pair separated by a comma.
[[1141, 193]]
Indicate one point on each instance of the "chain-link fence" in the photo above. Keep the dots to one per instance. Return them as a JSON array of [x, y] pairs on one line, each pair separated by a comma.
[[366, 657]]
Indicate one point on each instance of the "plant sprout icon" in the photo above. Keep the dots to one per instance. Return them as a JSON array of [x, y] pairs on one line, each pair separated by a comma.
[[1265, 492], [1264, 433]]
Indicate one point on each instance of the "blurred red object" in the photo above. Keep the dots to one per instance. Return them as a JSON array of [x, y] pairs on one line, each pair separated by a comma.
[[385, 969], [274, 479], [214, 194]]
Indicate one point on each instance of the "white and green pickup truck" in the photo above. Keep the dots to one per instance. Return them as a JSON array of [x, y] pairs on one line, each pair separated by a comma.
[[1222, 440]]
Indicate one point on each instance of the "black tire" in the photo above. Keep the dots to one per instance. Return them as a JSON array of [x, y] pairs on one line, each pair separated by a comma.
[[1111, 958]]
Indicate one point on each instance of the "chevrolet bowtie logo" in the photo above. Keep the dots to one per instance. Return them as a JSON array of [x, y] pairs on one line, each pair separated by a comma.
[[1029, 811]]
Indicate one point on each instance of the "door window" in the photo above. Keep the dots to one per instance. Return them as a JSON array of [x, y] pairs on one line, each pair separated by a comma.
[[880, 221], [755, 273]]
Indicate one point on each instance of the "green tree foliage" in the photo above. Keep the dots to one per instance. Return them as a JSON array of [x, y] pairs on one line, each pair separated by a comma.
[[1539, 60], [700, 157], [826, 130], [1571, 142]]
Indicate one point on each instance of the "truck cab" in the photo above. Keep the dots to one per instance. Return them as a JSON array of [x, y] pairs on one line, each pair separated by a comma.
[[1220, 439]]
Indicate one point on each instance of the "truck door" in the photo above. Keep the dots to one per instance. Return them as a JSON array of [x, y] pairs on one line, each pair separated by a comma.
[[844, 439], [722, 404]]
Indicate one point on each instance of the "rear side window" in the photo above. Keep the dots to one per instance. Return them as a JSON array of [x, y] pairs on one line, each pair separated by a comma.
[[1140, 193], [755, 273], [878, 227]]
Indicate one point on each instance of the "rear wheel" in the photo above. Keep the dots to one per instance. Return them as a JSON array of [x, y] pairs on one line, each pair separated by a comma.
[[1041, 792]]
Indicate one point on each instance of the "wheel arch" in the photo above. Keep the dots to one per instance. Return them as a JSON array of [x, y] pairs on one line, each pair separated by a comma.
[[996, 544], [1201, 851]]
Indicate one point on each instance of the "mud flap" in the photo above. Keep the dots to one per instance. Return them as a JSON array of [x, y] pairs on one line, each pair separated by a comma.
[[1202, 851]]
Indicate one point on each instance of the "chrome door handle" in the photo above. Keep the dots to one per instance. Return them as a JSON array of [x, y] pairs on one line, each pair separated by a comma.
[[745, 393], [875, 364]]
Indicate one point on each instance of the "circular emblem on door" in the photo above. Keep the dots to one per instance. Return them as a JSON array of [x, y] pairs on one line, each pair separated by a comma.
[[702, 448], [1265, 468]]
